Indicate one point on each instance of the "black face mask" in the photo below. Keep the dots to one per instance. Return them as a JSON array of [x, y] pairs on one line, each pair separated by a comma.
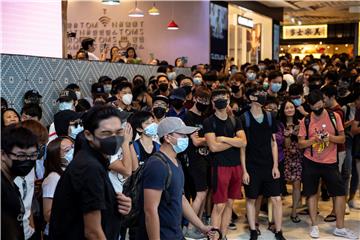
[[187, 89], [235, 89], [159, 112], [163, 87], [22, 168], [202, 107], [177, 103], [221, 103], [110, 145], [261, 99], [318, 112]]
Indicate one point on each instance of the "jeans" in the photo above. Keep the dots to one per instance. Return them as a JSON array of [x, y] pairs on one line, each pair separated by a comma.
[[347, 165]]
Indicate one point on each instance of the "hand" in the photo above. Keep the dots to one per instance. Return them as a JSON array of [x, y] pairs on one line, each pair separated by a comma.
[[326, 138], [275, 173], [124, 203], [246, 178], [128, 133], [315, 139]]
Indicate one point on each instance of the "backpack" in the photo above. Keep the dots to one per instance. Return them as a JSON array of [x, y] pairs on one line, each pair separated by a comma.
[[307, 124], [247, 119], [138, 151], [133, 187]]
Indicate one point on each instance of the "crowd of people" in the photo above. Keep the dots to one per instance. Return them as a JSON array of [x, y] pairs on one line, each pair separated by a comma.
[[166, 157]]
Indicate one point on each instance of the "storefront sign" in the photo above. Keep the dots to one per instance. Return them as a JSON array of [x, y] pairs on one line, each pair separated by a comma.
[[246, 22], [218, 34], [305, 31]]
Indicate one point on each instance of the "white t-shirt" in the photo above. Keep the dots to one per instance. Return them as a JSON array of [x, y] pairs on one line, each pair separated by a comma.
[[116, 178], [48, 187], [26, 187], [92, 56]]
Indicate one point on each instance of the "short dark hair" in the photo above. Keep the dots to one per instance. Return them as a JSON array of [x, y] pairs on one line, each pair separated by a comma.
[[17, 136], [139, 118], [329, 91], [72, 86], [86, 43], [296, 89], [123, 85], [32, 110], [202, 92], [332, 76], [98, 113], [82, 105], [274, 74], [315, 96], [219, 91], [103, 79], [251, 88], [162, 69]]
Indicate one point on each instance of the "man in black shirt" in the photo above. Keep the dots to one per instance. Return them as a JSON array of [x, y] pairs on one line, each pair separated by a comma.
[[19, 151], [224, 136], [261, 172], [85, 204], [197, 153]]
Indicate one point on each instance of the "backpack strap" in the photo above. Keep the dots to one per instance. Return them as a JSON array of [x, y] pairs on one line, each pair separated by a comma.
[[247, 119], [137, 149], [333, 122], [269, 118], [162, 158], [347, 112], [307, 124], [156, 146]]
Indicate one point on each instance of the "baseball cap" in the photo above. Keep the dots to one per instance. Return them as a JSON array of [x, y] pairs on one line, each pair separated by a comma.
[[161, 98], [178, 93], [67, 95], [97, 88], [174, 125], [32, 96]]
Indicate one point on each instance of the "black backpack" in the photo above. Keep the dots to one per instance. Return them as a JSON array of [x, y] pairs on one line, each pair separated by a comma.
[[133, 187]]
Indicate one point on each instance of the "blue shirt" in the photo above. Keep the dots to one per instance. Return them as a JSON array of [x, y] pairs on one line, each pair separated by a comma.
[[173, 113], [154, 177]]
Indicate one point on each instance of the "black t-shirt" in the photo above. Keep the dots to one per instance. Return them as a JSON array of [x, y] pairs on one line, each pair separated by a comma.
[[226, 128], [196, 154], [84, 187], [12, 211], [258, 135]]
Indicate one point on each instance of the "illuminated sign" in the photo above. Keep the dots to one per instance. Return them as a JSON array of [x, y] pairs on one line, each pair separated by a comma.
[[305, 31], [246, 22]]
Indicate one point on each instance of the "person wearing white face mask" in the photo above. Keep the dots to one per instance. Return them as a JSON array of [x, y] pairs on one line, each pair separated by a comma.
[[106, 82], [123, 93], [76, 89], [59, 154]]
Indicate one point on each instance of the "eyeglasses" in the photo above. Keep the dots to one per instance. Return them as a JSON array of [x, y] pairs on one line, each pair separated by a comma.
[[23, 157], [76, 123]]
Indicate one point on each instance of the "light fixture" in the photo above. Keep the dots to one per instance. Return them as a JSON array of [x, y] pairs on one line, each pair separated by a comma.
[[289, 46], [346, 45], [172, 25], [336, 48], [136, 12], [320, 43], [299, 22], [292, 20], [328, 47], [110, 2], [154, 11]]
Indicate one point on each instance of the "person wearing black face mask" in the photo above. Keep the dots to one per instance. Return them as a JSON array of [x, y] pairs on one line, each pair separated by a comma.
[[177, 100], [188, 85], [237, 101], [163, 83], [160, 107], [19, 151], [196, 172], [87, 176]]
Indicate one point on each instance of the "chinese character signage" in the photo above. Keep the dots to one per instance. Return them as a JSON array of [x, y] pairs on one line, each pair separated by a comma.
[[305, 31]]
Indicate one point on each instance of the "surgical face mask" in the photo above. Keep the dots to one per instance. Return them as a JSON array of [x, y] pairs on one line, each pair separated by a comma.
[[65, 106], [171, 76], [296, 102], [69, 155], [181, 144], [295, 71], [262, 67], [110, 145], [151, 130], [22, 168], [275, 87], [78, 95], [221, 103], [127, 98], [197, 80], [251, 76], [159, 112], [74, 131], [107, 88]]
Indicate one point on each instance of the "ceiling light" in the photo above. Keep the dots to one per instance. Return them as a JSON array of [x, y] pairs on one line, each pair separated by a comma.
[[136, 12], [292, 20], [328, 46], [320, 43], [172, 25], [336, 48], [299, 22], [154, 11], [346, 45], [289, 46], [110, 2]]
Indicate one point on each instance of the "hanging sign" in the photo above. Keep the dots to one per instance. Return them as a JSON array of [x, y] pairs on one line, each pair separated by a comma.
[[305, 31], [246, 22]]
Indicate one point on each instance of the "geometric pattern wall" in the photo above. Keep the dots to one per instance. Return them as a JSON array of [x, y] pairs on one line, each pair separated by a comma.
[[49, 76]]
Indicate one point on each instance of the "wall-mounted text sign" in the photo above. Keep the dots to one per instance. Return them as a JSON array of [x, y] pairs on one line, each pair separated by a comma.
[[305, 31]]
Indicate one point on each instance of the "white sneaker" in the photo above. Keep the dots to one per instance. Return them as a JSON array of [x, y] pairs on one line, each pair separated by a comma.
[[353, 204], [314, 232], [345, 233], [347, 209]]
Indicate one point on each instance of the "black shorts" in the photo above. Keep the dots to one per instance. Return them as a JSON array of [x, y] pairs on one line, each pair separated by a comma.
[[199, 172], [329, 173], [262, 183]]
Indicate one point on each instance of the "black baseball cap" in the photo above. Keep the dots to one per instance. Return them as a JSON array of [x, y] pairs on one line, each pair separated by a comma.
[[32, 96], [67, 95], [97, 88]]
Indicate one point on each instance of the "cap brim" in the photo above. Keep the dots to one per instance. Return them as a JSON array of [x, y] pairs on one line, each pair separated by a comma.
[[186, 130]]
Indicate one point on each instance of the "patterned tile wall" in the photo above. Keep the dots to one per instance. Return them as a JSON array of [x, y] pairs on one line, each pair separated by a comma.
[[50, 75]]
